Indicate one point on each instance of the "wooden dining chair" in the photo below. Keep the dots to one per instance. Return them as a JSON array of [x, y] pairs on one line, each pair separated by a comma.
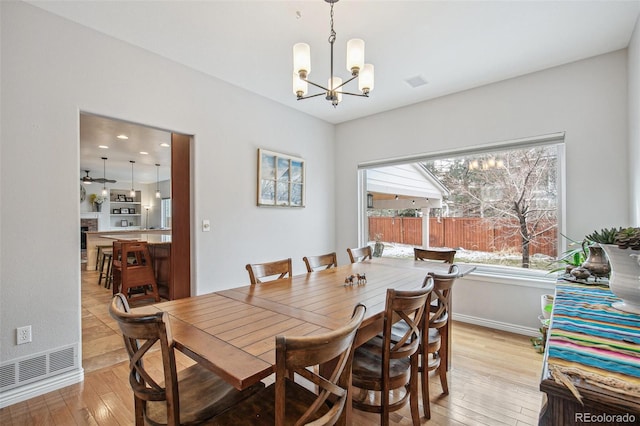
[[359, 254], [428, 254], [288, 401], [435, 338], [281, 268], [324, 261], [390, 366], [190, 396]]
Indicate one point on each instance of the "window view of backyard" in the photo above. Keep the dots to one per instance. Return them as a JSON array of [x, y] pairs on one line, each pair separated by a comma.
[[497, 208]]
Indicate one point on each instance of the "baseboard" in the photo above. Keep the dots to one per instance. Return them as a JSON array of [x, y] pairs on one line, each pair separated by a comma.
[[22, 393], [498, 325]]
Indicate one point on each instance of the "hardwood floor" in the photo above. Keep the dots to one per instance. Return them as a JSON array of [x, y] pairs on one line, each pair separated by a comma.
[[493, 381]]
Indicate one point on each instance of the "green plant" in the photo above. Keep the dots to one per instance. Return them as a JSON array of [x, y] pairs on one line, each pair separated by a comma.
[[575, 256], [604, 236], [628, 238]]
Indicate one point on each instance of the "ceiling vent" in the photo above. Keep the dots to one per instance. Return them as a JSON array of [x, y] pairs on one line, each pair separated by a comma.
[[416, 81]]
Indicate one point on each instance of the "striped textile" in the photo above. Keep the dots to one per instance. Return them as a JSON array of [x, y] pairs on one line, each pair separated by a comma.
[[590, 339]]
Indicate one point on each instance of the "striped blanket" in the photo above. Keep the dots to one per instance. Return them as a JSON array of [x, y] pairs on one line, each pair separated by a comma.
[[589, 339]]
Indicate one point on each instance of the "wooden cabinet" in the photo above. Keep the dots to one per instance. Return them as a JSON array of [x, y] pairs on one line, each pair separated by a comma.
[[125, 210]]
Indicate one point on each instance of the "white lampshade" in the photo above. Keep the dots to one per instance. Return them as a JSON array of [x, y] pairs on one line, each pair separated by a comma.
[[334, 83], [355, 54], [301, 58], [299, 85], [365, 80], [158, 194]]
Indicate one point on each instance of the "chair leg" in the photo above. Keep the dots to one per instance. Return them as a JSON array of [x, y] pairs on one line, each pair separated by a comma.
[[101, 270], [424, 376], [413, 391], [442, 372], [139, 411]]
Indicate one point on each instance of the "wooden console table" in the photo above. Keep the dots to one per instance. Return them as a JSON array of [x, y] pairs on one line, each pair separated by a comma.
[[592, 355]]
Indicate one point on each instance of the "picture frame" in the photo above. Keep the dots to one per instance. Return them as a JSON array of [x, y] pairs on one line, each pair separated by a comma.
[[124, 223], [124, 211], [281, 180], [121, 197], [132, 210], [115, 211], [129, 199]]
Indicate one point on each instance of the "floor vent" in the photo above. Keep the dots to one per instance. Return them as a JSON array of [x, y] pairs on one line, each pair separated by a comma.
[[38, 367]]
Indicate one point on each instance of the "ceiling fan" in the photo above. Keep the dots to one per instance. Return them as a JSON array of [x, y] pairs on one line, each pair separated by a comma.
[[89, 179]]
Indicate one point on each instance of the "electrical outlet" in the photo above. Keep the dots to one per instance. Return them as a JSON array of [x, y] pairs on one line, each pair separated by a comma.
[[23, 334]]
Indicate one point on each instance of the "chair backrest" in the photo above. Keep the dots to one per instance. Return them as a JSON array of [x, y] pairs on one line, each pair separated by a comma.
[[281, 268], [442, 285], [426, 254], [408, 306], [295, 354], [359, 254], [324, 261], [140, 333]]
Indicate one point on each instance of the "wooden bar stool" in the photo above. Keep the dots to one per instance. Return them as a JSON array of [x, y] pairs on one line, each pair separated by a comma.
[[133, 271], [107, 257], [99, 251]]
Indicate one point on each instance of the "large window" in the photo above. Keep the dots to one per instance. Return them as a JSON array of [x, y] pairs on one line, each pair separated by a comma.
[[165, 213], [499, 207]]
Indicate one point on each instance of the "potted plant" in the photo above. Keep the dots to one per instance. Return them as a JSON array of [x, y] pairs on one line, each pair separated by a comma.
[[97, 201], [624, 255]]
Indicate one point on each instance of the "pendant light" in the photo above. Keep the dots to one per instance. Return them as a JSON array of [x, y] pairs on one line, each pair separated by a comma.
[[133, 191], [104, 176], [158, 195]]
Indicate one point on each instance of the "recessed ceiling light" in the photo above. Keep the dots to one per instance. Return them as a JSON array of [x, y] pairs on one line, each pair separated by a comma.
[[122, 137], [144, 153], [103, 147], [165, 145]]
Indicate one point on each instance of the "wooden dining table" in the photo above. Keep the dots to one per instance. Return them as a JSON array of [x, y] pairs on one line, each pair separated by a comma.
[[232, 332]]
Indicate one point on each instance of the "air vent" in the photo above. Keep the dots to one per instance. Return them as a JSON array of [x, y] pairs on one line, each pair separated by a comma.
[[38, 367], [416, 81]]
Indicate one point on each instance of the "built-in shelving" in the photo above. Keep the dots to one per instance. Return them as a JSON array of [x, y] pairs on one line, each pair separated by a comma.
[[125, 210]]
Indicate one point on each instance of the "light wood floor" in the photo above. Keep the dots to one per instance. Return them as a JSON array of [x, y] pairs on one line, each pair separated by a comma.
[[494, 379]]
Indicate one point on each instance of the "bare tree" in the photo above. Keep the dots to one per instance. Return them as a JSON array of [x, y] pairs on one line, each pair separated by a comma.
[[515, 190]]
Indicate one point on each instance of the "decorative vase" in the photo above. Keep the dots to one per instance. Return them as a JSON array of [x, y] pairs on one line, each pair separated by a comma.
[[625, 277], [546, 301], [378, 249], [597, 262], [98, 207]]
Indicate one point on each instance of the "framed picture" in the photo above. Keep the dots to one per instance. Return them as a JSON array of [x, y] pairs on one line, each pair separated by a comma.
[[124, 211], [281, 180], [132, 211], [115, 211], [124, 223], [121, 197], [129, 199]]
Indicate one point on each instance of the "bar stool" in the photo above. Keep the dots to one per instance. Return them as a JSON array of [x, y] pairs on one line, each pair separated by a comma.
[[133, 271], [99, 251], [107, 257]]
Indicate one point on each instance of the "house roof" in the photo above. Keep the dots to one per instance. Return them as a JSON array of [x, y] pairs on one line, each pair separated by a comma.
[[405, 186]]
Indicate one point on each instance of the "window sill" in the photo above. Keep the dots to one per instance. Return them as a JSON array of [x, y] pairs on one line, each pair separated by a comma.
[[525, 278]]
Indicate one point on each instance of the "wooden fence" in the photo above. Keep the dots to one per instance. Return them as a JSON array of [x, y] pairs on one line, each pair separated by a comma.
[[469, 233]]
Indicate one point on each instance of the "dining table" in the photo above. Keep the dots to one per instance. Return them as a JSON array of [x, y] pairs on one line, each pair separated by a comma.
[[232, 332]]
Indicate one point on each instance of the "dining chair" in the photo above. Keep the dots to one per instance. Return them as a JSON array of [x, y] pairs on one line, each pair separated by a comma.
[[435, 338], [190, 396], [288, 401], [324, 261], [359, 254], [133, 273], [391, 367], [428, 254], [281, 268]]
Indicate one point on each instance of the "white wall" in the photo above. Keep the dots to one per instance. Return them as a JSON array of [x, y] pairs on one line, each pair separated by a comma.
[[51, 70], [586, 99], [634, 125]]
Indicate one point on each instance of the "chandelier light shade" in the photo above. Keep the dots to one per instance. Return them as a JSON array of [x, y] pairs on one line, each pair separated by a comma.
[[158, 194], [133, 191], [334, 90]]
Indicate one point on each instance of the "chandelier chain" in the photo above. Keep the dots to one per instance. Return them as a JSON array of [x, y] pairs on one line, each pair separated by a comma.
[[332, 34]]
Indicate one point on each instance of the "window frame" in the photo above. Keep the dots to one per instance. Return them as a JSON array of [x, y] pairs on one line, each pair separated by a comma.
[[557, 139]]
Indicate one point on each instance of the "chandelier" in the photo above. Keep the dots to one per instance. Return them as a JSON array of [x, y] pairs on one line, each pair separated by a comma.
[[333, 92]]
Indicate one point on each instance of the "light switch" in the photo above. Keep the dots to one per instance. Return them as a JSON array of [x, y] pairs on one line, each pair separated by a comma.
[[206, 225]]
